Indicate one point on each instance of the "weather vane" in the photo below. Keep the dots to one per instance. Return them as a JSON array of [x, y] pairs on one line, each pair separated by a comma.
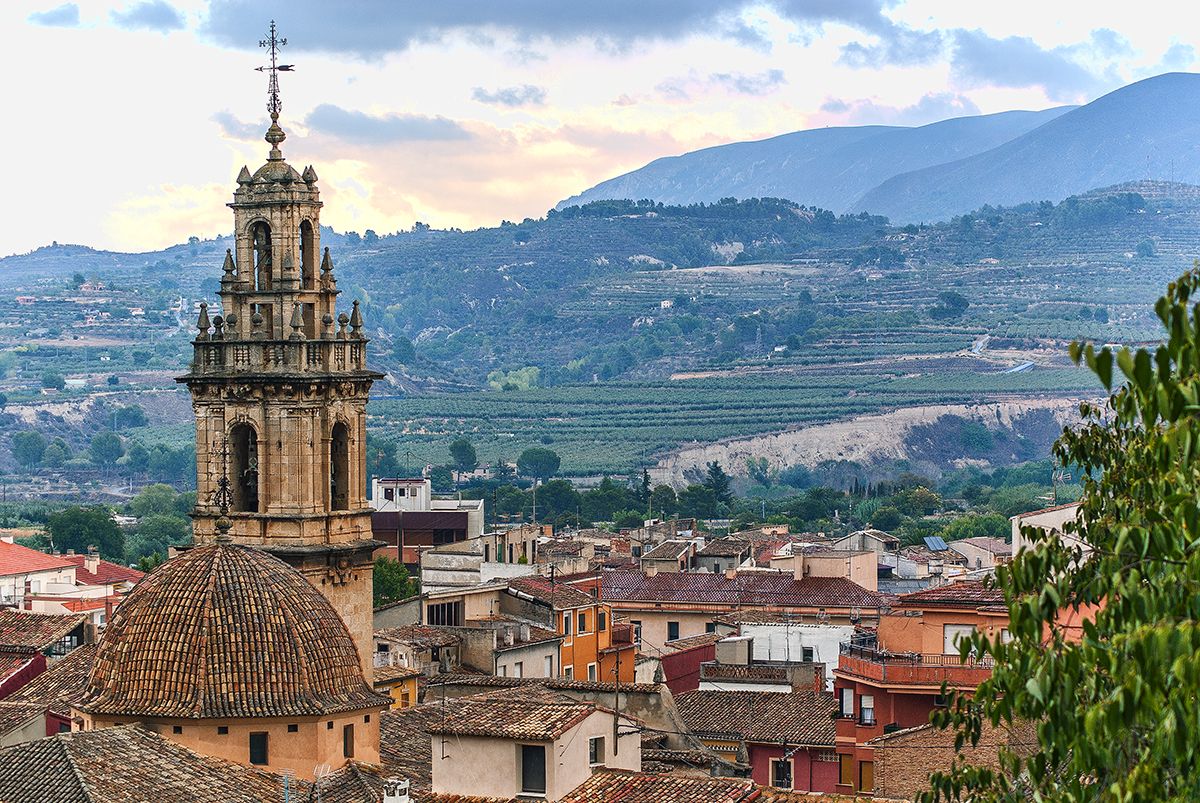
[[273, 43]]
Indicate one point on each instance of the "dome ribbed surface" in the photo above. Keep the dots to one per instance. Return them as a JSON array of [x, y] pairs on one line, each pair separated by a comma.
[[226, 631]]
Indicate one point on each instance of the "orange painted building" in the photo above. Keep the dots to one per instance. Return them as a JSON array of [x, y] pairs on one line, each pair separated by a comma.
[[893, 680], [593, 647]]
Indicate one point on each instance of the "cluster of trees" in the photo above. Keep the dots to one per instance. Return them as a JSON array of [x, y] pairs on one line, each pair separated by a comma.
[[107, 451], [162, 522]]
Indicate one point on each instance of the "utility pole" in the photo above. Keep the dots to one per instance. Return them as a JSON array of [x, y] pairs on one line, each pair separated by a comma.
[[616, 702]]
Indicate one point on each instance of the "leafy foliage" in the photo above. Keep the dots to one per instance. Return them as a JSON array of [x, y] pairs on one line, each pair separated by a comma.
[[392, 582], [1114, 701], [78, 528]]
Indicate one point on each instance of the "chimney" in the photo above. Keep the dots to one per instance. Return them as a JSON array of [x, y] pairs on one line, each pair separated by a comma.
[[508, 636], [524, 632], [731, 574], [92, 561], [651, 570]]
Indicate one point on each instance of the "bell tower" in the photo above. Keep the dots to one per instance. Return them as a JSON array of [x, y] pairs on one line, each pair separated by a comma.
[[279, 385]]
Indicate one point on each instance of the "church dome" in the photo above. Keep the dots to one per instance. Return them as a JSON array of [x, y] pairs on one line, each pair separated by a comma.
[[226, 631]]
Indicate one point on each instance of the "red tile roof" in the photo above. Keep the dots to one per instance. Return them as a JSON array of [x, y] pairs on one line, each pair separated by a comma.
[[620, 786], [12, 659], [17, 559], [185, 643], [126, 763], [747, 589], [91, 603], [106, 573], [419, 636], [513, 717], [795, 718], [558, 595], [968, 593], [35, 630], [64, 679]]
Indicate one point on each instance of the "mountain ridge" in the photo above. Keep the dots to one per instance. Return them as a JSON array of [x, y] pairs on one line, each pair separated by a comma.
[[934, 172]]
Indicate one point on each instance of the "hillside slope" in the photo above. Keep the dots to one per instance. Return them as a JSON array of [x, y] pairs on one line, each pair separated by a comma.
[[826, 167], [1147, 129]]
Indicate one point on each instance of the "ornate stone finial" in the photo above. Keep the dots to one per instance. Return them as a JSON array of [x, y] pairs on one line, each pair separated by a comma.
[[327, 327], [343, 319], [218, 328], [256, 325], [356, 322], [230, 268], [327, 278], [202, 323], [244, 176], [275, 134], [309, 175], [231, 327], [297, 323]]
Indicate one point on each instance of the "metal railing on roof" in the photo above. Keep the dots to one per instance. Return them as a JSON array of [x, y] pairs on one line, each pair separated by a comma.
[[878, 656]]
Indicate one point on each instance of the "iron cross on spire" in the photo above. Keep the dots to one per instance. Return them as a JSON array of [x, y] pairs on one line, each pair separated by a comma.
[[273, 43]]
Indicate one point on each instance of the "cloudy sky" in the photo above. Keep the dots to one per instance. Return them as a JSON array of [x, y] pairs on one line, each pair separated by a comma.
[[127, 120]]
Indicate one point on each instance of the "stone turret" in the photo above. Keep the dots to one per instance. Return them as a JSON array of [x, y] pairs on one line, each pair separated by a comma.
[[280, 396]]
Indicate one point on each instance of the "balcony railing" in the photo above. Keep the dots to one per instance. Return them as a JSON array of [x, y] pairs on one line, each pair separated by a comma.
[[878, 656], [915, 669], [257, 356]]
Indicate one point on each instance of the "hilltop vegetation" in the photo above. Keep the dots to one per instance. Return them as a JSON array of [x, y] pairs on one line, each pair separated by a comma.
[[619, 331]]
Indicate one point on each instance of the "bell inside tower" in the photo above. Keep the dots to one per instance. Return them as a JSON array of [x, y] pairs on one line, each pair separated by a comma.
[[339, 467], [261, 236], [308, 257], [244, 446]]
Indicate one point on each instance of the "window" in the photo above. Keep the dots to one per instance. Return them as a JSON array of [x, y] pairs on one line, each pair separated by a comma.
[[260, 236], [222, 730], [244, 442], [672, 631], [533, 768], [503, 670], [710, 627], [548, 669], [258, 748], [339, 467], [487, 553], [348, 741], [866, 709], [445, 613], [519, 669], [866, 776], [846, 770], [567, 624], [847, 703], [952, 635], [807, 654], [781, 773], [176, 729], [601, 621], [568, 672], [308, 257], [596, 750], [389, 493], [582, 622], [592, 672], [1005, 636], [293, 728], [637, 631]]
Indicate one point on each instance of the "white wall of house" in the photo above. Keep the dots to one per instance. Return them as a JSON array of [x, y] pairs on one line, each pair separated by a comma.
[[786, 642], [475, 766]]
